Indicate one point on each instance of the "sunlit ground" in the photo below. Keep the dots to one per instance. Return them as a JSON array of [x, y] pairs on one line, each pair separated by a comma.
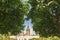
[[6, 37]]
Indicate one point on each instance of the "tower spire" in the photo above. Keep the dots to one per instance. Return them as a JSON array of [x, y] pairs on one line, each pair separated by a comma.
[[28, 30], [28, 25]]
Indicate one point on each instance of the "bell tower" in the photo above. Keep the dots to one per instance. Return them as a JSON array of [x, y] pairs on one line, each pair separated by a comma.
[[28, 31]]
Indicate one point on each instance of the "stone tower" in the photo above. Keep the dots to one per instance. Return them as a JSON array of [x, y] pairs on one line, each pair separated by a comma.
[[28, 31]]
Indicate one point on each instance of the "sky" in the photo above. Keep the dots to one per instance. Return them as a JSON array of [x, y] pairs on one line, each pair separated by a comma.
[[28, 23], [25, 0]]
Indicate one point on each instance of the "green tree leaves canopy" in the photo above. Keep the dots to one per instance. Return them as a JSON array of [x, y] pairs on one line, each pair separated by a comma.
[[45, 14], [11, 15]]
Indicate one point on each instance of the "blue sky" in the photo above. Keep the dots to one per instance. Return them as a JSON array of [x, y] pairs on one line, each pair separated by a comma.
[[25, 0], [28, 23]]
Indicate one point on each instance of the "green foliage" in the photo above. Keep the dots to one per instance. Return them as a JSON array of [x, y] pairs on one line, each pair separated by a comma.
[[11, 15], [49, 38], [5, 37], [44, 20]]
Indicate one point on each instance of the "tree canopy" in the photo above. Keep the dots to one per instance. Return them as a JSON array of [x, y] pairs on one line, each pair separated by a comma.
[[45, 16], [11, 15]]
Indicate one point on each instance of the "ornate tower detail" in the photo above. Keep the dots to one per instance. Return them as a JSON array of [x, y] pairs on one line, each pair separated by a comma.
[[28, 31]]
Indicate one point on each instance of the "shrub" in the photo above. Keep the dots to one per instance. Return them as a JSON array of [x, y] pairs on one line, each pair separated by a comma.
[[48, 38], [5, 37]]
